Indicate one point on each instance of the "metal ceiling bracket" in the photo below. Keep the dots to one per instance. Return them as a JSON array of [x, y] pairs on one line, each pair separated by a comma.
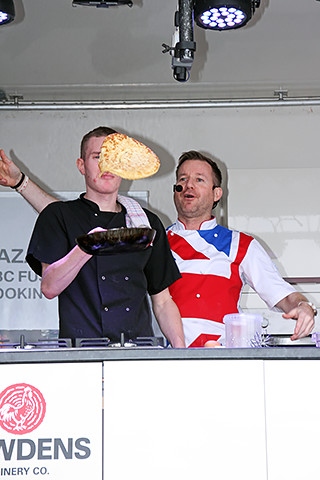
[[281, 94], [102, 3], [16, 99]]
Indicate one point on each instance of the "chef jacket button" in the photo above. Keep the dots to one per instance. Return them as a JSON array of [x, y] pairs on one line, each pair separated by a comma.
[[106, 309], [126, 278], [95, 214], [127, 309], [103, 277], [198, 295]]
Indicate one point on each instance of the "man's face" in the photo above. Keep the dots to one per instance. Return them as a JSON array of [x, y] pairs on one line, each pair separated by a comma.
[[88, 166], [197, 196]]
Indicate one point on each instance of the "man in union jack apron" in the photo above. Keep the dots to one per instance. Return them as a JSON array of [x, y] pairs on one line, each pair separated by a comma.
[[216, 262]]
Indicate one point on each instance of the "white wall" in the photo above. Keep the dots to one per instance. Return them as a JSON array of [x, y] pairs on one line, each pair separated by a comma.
[[269, 158]]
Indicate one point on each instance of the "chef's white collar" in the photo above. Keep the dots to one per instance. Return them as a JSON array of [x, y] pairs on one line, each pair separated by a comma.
[[207, 225]]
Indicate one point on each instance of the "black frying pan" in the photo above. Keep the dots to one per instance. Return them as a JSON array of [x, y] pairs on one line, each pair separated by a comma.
[[116, 240]]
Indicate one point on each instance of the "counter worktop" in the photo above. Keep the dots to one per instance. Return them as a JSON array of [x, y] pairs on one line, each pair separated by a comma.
[[66, 355]]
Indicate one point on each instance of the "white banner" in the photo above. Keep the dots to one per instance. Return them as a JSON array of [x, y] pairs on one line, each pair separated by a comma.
[[22, 304], [51, 421]]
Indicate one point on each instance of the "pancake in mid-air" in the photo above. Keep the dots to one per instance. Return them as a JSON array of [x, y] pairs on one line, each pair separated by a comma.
[[127, 157]]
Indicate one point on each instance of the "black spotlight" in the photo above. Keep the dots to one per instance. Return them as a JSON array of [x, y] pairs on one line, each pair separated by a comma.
[[7, 11], [223, 15]]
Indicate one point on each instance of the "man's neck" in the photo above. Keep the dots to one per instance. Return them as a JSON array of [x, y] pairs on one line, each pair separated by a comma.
[[107, 202]]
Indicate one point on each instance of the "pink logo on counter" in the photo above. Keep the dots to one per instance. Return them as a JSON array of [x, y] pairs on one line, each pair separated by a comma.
[[22, 408]]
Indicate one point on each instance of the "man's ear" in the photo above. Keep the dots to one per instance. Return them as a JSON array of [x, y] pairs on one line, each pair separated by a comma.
[[217, 193], [80, 165]]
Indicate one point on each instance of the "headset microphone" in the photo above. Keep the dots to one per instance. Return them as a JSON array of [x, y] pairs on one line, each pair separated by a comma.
[[177, 188]]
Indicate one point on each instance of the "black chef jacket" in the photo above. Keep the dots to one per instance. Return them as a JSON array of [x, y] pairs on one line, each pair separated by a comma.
[[109, 295]]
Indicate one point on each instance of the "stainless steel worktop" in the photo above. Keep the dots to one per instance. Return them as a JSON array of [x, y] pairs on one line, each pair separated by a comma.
[[66, 355]]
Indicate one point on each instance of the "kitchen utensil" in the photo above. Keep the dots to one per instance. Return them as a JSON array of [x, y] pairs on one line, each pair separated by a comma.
[[116, 240], [242, 330]]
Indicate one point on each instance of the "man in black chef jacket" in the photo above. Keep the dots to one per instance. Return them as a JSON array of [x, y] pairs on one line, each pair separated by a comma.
[[102, 295]]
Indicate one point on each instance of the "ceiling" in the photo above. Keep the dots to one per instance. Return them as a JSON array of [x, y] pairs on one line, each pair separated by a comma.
[[54, 51]]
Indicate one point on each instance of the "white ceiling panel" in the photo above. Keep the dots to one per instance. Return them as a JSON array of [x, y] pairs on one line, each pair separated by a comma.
[[55, 51]]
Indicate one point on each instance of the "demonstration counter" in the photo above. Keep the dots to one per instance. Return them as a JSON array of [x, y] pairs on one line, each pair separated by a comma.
[[160, 413]]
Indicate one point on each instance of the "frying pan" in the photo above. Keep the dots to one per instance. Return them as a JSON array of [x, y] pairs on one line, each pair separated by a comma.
[[116, 240]]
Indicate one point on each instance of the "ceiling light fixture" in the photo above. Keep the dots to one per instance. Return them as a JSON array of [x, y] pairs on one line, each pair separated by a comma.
[[7, 12], [224, 15], [102, 4]]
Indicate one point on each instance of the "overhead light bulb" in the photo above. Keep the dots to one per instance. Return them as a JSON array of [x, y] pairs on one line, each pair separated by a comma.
[[7, 11], [223, 15]]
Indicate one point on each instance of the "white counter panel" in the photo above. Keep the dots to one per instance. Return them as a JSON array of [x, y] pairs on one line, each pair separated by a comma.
[[190, 419], [293, 423], [50, 421]]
